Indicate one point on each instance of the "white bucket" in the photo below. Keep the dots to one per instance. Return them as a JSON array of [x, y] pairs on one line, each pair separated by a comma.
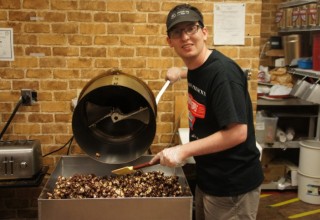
[[309, 158], [308, 188]]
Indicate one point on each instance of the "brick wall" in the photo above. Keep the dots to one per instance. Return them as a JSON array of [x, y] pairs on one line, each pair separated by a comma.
[[79, 39]]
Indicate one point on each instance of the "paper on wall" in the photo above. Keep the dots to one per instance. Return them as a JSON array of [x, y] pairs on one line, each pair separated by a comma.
[[6, 44], [229, 23]]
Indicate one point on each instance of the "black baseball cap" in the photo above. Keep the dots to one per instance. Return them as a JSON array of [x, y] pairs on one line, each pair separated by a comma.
[[182, 15]]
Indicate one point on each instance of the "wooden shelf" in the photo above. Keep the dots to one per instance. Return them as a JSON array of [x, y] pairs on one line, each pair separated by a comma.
[[296, 3], [275, 53], [297, 30]]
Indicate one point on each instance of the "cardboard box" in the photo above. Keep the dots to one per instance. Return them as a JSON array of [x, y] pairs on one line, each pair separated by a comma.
[[273, 171], [277, 169]]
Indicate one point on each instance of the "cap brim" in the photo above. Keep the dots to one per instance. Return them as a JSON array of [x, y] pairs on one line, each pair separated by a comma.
[[180, 20]]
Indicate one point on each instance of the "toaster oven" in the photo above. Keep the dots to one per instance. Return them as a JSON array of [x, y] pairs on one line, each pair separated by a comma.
[[20, 159]]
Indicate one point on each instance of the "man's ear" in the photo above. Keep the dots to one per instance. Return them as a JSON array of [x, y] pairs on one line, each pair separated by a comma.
[[169, 42], [205, 33]]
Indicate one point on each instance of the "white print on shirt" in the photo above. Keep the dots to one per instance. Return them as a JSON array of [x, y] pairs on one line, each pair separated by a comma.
[[198, 90]]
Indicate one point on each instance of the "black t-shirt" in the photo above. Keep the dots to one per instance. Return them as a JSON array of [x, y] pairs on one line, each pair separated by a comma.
[[218, 96]]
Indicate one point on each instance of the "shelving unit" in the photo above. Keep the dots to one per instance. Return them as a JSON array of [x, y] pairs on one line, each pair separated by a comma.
[[304, 117], [294, 110], [296, 3], [300, 114]]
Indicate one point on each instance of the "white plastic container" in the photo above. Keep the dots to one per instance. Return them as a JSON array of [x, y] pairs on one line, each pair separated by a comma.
[[308, 188], [266, 127], [309, 158]]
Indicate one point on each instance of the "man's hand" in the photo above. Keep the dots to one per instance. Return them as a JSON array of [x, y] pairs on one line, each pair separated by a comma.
[[173, 74], [170, 157]]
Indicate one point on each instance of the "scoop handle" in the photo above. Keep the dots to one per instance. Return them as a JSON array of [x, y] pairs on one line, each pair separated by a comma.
[[163, 89], [146, 164]]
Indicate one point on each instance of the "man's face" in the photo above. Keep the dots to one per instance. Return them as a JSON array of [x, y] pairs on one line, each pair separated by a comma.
[[188, 39]]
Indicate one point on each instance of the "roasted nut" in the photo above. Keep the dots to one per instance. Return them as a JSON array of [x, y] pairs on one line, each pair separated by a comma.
[[138, 184]]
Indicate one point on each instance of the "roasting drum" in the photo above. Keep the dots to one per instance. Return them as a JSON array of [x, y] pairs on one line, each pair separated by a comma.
[[114, 121]]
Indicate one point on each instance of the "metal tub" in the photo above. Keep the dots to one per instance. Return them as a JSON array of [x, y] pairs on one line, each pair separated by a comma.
[[164, 208]]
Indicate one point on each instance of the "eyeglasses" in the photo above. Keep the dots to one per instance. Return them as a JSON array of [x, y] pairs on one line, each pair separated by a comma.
[[189, 30]]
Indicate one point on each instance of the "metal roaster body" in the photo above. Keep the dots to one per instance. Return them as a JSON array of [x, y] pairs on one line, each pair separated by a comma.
[[114, 123], [115, 119]]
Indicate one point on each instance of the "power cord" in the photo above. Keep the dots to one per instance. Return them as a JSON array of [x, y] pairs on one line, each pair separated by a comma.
[[68, 142], [263, 49], [11, 117]]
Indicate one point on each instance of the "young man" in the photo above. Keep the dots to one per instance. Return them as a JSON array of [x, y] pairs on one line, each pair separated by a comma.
[[222, 140]]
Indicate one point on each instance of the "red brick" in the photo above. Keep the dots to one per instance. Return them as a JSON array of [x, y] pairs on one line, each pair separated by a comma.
[[3, 15], [67, 118], [54, 128], [106, 17], [148, 6], [92, 28], [53, 85], [52, 62], [5, 85], [46, 51], [133, 40], [11, 74], [68, 28], [133, 18], [40, 118], [66, 74], [106, 40], [124, 6], [121, 52], [32, 4], [25, 39], [17, 27], [147, 29], [20, 15], [120, 29], [93, 52], [133, 63], [27, 129], [93, 5], [106, 63], [10, 4], [65, 95], [64, 4], [37, 28], [39, 73], [148, 52], [79, 16], [66, 51], [52, 39], [79, 63], [55, 106], [25, 62], [53, 16], [80, 40]]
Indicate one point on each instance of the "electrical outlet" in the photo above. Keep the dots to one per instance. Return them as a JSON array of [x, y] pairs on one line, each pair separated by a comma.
[[28, 97]]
